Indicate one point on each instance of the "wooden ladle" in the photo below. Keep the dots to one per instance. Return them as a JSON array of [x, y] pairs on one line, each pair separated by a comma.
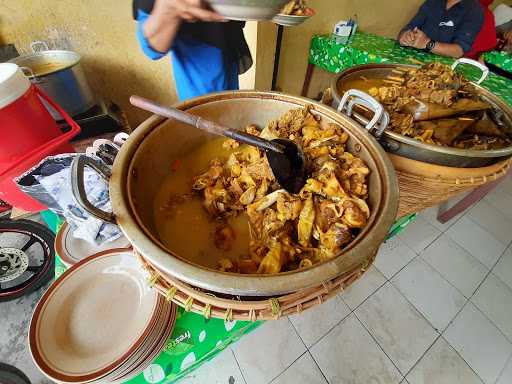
[[286, 159]]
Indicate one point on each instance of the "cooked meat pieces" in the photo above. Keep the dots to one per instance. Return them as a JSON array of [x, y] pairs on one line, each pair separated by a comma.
[[224, 237], [425, 104], [288, 231]]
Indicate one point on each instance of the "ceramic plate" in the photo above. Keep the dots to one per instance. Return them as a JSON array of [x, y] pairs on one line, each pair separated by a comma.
[[93, 318], [247, 9], [71, 250], [292, 20]]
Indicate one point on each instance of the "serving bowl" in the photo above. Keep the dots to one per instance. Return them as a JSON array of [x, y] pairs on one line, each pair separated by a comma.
[[247, 9]]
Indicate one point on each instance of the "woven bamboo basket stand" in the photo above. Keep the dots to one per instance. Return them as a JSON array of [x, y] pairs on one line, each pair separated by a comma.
[[207, 304], [424, 185]]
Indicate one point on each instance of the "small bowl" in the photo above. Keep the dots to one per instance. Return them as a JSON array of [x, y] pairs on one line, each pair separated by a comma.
[[293, 20], [247, 9]]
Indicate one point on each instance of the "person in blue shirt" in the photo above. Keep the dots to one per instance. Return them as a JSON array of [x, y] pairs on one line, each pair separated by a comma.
[[207, 52], [444, 27]]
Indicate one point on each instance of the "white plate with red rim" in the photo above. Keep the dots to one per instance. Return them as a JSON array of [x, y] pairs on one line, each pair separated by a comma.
[[99, 320]]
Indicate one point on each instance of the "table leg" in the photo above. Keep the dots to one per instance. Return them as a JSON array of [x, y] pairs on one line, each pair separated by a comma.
[[476, 195], [277, 56], [307, 80]]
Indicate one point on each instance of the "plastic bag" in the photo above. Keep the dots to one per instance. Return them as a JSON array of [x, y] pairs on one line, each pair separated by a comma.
[[50, 183]]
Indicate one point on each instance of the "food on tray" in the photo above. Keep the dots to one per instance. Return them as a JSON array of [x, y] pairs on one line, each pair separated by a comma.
[[285, 231], [295, 8], [436, 105]]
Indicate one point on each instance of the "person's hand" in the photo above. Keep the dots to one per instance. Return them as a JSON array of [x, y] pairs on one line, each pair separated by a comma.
[[420, 39], [407, 38], [188, 10]]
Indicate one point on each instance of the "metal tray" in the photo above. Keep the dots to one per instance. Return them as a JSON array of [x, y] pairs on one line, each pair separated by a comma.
[[409, 147]]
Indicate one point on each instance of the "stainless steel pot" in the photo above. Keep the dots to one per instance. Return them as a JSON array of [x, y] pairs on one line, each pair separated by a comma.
[[148, 154], [406, 146], [60, 76]]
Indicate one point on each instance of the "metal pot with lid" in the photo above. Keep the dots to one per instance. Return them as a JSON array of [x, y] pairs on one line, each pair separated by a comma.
[[345, 99], [60, 75], [149, 154]]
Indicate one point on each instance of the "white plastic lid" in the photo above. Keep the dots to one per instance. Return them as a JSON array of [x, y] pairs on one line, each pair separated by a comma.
[[13, 83]]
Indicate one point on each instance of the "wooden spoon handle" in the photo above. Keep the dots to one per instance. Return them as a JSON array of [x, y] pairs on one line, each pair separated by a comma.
[[205, 125]]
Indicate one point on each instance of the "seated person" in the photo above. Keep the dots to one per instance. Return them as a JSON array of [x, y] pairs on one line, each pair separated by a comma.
[[486, 39], [503, 15], [444, 27]]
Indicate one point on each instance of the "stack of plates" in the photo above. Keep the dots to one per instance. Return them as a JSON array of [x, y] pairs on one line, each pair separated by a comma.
[[71, 250], [100, 322]]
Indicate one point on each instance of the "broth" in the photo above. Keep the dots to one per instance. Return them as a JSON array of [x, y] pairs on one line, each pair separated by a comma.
[[360, 84], [41, 69], [189, 231]]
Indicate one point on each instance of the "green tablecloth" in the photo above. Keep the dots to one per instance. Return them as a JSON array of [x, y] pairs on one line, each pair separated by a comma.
[[365, 48], [194, 340], [502, 60]]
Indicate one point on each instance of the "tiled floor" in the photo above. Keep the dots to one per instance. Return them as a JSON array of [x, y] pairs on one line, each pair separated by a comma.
[[435, 308]]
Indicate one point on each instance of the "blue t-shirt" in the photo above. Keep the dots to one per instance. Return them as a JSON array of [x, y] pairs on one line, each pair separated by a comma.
[[198, 68], [458, 25]]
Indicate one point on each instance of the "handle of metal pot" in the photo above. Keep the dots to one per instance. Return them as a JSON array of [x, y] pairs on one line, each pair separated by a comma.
[[28, 72], [78, 186], [380, 119], [39, 46], [474, 63]]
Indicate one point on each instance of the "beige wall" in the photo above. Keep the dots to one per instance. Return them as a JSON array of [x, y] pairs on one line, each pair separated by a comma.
[[103, 32]]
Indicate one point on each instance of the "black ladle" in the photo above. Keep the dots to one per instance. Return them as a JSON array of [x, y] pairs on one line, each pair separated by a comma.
[[286, 159]]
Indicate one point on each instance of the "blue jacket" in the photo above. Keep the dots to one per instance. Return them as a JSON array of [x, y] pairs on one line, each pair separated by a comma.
[[198, 68]]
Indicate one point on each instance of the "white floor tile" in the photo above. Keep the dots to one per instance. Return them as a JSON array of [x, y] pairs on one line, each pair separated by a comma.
[[479, 343], [504, 267], [393, 255], [430, 214], [455, 264], [429, 292], [303, 370], [348, 354], [505, 185], [398, 327], [442, 365], [492, 220], [419, 234], [362, 288], [220, 370], [506, 375], [477, 241], [494, 299], [501, 200], [314, 323], [268, 351]]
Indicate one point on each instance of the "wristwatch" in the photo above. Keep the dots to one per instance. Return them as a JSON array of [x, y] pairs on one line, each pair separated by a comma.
[[430, 46]]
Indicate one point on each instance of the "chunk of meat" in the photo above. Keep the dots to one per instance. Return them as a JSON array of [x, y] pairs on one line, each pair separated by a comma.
[[224, 237], [306, 221], [272, 262]]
